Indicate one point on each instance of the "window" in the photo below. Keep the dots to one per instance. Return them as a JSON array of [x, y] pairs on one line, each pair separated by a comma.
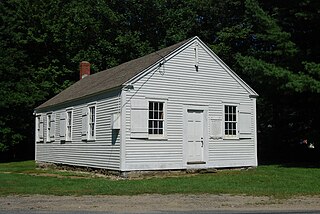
[[92, 119], [148, 118], [49, 127], [230, 121], [69, 125], [156, 118]]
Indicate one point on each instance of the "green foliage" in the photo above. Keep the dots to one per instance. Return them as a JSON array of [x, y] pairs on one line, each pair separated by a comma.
[[271, 44], [280, 79]]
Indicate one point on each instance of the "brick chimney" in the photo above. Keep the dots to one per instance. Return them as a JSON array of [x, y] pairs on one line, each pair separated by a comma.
[[84, 69]]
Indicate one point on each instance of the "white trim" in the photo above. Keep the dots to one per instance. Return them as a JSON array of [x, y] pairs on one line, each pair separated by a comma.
[[154, 66], [69, 139], [123, 110], [164, 60], [162, 136], [255, 130], [205, 110], [48, 122], [228, 69], [37, 131], [89, 136], [230, 137], [196, 55]]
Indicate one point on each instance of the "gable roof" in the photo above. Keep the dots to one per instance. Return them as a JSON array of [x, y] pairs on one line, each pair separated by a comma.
[[117, 76], [110, 78]]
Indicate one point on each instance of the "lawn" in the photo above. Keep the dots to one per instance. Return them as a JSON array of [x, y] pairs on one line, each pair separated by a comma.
[[21, 178]]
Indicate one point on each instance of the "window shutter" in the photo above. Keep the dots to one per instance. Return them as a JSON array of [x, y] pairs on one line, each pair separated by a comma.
[[245, 123], [84, 133], [139, 118], [41, 129], [216, 128], [62, 126], [52, 130]]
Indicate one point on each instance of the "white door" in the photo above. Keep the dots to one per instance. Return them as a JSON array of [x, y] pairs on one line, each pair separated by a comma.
[[195, 136]]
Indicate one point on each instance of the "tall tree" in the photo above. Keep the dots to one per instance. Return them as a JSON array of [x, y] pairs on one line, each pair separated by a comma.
[[270, 44]]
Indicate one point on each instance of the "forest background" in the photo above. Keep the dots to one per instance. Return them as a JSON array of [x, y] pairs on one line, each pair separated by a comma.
[[273, 45]]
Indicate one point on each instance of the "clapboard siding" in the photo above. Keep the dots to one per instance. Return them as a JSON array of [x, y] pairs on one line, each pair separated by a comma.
[[181, 84], [175, 81], [101, 153]]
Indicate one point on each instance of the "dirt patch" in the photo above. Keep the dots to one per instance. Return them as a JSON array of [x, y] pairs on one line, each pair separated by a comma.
[[152, 203]]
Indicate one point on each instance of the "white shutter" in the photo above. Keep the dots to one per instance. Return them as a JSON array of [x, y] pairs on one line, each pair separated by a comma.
[[139, 118], [245, 122], [53, 125], [62, 126], [41, 129], [84, 132], [216, 128]]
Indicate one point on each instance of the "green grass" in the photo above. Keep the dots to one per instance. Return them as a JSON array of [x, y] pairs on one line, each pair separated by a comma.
[[21, 178]]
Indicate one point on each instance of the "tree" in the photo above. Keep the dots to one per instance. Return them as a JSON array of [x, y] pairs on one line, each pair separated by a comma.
[[272, 45], [268, 59]]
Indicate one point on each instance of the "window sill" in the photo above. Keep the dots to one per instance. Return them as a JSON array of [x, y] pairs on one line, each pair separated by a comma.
[[161, 138], [231, 138]]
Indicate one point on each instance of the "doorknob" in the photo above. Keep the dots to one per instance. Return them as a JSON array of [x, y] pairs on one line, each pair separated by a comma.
[[201, 141]]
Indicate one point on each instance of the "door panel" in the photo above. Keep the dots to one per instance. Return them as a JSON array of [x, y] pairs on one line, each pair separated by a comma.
[[195, 135]]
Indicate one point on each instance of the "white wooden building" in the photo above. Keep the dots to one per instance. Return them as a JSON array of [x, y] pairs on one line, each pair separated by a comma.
[[177, 108]]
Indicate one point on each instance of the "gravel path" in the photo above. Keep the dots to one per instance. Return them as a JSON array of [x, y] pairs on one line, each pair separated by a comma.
[[153, 203]]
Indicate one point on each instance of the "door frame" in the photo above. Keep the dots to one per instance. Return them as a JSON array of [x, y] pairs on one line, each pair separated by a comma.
[[205, 110]]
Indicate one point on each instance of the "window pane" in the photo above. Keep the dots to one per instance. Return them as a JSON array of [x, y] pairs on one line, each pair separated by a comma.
[[161, 124], [234, 126], [161, 106], [93, 129]]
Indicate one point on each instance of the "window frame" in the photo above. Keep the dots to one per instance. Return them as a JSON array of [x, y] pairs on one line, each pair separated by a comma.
[[236, 121], [162, 136], [91, 137], [67, 119]]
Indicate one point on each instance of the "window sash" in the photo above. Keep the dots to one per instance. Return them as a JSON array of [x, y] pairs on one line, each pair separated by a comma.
[[230, 121], [156, 118], [48, 127], [92, 118], [69, 126]]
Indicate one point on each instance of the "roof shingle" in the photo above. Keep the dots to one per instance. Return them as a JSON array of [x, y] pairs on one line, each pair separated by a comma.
[[108, 79]]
